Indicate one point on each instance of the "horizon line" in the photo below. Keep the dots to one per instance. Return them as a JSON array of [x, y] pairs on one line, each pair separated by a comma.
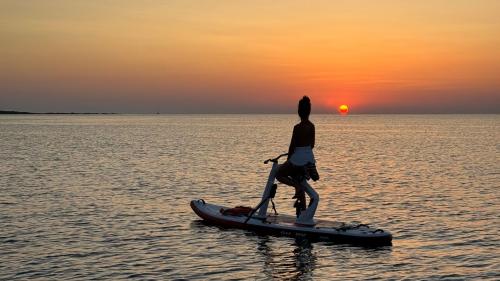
[[16, 112]]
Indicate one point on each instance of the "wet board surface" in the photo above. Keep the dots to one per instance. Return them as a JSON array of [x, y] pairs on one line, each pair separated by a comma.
[[283, 219]]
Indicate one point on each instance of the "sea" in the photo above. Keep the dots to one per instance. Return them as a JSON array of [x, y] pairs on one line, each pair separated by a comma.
[[106, 197]]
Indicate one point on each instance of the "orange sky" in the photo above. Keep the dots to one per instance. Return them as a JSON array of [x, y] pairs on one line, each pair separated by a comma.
[[250, 56]]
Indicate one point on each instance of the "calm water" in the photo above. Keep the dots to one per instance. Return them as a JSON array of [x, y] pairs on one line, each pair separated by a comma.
[[107, 197]]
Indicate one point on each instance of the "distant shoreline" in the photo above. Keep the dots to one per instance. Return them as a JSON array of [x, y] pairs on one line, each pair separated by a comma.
[[68, 113]]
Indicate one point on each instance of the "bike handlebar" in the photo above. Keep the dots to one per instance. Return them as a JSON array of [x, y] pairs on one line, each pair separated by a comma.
[[275, 160]]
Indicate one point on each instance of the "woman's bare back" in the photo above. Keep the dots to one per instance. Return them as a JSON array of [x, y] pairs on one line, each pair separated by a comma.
[[303, 134]]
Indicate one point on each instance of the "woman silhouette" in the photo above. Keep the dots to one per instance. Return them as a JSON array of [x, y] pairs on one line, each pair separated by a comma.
[[300, 153]]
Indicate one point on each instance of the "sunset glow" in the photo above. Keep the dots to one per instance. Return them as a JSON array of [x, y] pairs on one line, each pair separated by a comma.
[[343, 109], [232, 56]]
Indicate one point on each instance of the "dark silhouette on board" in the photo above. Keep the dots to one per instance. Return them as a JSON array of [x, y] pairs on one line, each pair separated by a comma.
[[300, 159]]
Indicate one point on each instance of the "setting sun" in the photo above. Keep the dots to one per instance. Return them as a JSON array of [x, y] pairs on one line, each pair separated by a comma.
[[343, 109]]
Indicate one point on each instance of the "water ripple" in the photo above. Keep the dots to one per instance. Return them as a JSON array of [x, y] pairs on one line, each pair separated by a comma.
[[107, 197]]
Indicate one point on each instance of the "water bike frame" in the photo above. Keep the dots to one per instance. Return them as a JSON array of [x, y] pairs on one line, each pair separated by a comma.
[[306, 216]]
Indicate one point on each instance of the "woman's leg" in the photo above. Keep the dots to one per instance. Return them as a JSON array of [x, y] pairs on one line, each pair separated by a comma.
[[307, 216], [285, 171]]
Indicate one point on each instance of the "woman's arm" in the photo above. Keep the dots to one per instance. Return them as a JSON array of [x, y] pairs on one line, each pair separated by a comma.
[[291, 148], [313, 136]]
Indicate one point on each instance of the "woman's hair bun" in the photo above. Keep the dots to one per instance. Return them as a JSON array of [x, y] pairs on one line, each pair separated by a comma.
[[304, 107]]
